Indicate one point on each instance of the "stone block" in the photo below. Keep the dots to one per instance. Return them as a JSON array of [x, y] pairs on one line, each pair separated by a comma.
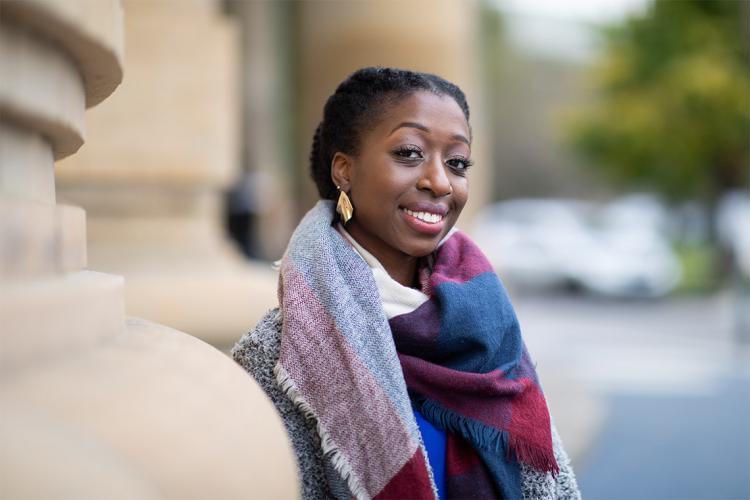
[[40, 240], [46, 458], [90, 31], [164, 412], [56, 317], [217, 304], [27, 169], [41, 89]]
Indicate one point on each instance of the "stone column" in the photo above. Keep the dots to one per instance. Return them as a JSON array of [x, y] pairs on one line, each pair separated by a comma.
[[96, 404], [435, 36], [161, 152]]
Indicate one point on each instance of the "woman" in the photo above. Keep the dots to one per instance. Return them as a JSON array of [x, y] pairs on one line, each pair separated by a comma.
[[395, 357]]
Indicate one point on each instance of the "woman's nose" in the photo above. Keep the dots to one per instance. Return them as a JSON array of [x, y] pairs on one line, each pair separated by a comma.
[[435, 179]]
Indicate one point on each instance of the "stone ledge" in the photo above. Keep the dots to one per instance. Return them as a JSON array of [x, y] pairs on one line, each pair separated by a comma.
[[50, 318], [215, 304], [41, 90], [39, 239], [44, 457], [89, 30]]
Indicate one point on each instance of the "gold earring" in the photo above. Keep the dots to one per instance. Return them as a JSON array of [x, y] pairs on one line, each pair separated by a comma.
[[344, 206]]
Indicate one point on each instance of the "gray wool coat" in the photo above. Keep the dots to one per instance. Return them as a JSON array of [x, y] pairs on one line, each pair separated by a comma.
[[258, 351]]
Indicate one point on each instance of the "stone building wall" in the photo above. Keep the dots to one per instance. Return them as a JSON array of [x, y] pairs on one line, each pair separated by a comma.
[[96, 403], [162, 152]]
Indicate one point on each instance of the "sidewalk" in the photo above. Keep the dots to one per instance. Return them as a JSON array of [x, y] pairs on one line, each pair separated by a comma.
[[629, 381]]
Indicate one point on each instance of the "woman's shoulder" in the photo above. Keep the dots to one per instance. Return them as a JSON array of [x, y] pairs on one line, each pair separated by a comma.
[[259, 348], [257, 352]]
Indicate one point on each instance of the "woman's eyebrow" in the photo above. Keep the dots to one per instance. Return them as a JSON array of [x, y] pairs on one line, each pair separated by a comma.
[[455, 137], [409, 124]]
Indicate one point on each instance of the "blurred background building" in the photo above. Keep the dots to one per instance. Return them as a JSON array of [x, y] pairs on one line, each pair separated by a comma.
[[610, 191]]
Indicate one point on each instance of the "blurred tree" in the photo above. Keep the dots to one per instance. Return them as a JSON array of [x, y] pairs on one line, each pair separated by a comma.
[[674, 107]]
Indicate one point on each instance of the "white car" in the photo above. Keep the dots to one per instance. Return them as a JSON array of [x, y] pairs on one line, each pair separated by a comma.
[[551, 243]]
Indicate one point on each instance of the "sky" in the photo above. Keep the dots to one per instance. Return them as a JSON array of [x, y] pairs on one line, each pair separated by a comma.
[[562, 28], [573, 10]]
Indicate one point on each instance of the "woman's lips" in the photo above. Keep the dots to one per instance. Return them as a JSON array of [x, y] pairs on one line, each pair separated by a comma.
[[425, 222]]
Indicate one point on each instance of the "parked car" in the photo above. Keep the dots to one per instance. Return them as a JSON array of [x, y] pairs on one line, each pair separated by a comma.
[[600, 249]]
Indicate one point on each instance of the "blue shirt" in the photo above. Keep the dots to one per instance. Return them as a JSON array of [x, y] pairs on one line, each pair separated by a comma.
[[435, 442]]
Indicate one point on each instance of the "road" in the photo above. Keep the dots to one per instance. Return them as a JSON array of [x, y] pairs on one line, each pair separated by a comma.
[[651, 397]]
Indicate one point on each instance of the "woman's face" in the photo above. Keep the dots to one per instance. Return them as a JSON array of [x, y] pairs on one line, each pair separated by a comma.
[[408, 183]]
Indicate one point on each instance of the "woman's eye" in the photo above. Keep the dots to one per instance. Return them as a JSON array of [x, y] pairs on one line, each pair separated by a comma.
[[409, 153], [460, 163]]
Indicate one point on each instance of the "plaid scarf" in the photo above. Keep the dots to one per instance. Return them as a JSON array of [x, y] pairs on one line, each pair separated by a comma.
[[460, 354]]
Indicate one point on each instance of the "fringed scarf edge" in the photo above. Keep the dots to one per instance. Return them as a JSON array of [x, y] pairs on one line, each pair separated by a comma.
[[489, 438], [338, 459]]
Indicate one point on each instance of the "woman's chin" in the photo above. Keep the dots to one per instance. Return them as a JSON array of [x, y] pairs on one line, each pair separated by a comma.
[[422, 249]]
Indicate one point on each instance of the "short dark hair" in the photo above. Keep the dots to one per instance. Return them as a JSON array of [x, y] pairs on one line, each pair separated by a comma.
[[356, 104]]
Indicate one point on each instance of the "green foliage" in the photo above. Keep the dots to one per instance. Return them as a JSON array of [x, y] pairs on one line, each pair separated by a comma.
[[698, 263], [673, 112]]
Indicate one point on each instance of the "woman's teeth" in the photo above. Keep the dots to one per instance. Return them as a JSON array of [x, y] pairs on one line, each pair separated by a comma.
[[425, 216]]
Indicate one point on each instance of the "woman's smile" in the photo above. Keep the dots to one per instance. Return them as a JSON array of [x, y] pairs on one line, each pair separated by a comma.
[[425, 218]]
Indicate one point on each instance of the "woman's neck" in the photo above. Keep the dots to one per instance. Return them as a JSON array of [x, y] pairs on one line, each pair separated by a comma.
[[399, 266], [403, 271]]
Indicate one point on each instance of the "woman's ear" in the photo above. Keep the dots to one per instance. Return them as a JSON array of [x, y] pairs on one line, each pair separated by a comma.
[[341, 171]]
